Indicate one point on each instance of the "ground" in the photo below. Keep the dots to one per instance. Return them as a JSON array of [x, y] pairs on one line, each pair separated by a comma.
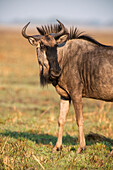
[[29, 114]]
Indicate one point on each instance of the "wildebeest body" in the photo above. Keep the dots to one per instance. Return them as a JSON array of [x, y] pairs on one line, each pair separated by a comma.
[[87, 65], [77, 66]]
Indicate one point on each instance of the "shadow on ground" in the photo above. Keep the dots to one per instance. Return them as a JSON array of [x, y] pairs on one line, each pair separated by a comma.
[[40, 138], [91, 138]]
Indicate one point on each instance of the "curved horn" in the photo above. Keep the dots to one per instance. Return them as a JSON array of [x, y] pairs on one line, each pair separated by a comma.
[[24, 31], [36, 37], [61, 32]]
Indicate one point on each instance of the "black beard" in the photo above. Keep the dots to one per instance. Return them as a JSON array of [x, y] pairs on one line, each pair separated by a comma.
[[51, 77], [47, 80], [44, 80]]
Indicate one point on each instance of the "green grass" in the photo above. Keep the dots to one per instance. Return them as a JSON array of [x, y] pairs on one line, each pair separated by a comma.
[[29, 115]]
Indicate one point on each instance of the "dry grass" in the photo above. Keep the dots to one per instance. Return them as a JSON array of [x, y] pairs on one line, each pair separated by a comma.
[[29, 114]]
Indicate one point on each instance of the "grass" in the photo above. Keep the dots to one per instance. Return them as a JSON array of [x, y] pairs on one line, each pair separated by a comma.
[[29, 115]]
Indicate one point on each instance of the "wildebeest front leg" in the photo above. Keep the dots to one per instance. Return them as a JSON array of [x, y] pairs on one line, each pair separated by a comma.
[[77, 102], [64, 108]]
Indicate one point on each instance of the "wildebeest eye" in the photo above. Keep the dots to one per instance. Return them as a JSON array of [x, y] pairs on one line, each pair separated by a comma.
[[42, 46]]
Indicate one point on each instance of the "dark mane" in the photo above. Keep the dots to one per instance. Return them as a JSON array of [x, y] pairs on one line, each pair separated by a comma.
[[49, 29], [73, 33]]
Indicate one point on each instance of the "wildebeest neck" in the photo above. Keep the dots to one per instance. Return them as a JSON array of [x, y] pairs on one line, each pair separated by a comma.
[[55, 70]]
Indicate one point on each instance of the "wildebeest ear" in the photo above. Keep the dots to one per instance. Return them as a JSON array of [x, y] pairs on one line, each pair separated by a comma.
[[62, 39], [32, 41]]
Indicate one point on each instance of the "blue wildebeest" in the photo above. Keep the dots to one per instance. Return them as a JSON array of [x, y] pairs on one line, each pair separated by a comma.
[[77, 66]]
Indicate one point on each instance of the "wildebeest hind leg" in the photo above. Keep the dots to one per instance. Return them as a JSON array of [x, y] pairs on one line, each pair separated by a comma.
[[64, 108], [79, 118]]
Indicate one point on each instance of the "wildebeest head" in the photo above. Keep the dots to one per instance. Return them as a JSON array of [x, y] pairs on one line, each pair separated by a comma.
[[47, 52]]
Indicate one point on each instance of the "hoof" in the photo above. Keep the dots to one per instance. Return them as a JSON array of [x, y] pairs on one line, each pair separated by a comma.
[[79, 150], [55, 149]]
